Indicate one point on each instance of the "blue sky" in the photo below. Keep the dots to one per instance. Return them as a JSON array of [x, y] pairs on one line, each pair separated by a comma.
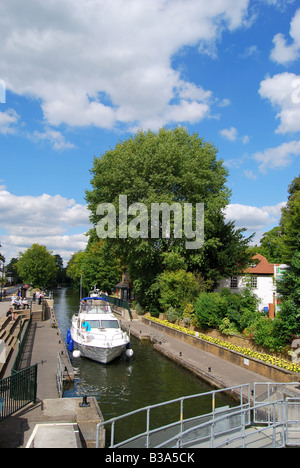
[[77, 77]]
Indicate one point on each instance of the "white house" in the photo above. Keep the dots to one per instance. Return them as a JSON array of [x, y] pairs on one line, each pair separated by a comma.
[[262, 279]]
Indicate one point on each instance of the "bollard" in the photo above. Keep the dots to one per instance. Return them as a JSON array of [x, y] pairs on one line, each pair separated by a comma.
[[84, 403]]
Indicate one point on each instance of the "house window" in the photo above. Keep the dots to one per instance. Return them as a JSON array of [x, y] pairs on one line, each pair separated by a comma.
[[233, 282], [254, 282]]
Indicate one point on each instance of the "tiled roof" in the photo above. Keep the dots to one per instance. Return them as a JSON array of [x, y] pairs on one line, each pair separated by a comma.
[[262, 268]]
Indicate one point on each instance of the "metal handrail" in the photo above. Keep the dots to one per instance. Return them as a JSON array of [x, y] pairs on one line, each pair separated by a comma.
[[181, 420], [241, 429], [122, 303], [277, 417], [60, 375], [17, 391]]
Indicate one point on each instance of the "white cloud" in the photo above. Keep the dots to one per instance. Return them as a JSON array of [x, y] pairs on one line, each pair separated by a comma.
[[283, 52], [100, 63], [53, 137], [47, 220], [250, 52], [224, 103], [279, 157], [231, 134], [255, 219], [250, 174], [280, 4], [283, 91], [8, 120]]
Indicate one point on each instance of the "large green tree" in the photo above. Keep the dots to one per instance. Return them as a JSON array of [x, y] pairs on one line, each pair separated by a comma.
[[95, 266], [287, 322], [37, 266], [281, 243], [271, 245], [170, 166], [290, 222]]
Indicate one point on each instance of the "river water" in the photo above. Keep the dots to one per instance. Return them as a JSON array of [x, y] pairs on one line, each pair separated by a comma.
[[125, 384]]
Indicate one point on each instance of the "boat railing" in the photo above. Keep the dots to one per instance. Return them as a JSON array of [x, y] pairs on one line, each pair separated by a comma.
[[95, 310], [87, 337], [103, 337], [118, 335]]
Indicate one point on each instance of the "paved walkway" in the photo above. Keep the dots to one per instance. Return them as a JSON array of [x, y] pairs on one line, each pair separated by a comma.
[[43, 345]]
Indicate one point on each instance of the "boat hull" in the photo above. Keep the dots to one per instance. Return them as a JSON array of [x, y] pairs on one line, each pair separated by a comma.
[[102, 355]]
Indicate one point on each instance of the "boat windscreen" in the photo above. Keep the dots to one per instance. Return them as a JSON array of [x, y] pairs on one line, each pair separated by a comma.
[[96, 309], [94, 323], [109, 324]]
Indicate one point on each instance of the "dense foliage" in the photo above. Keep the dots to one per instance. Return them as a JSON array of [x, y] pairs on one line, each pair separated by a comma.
[[287, 323], [231, 312], [37, 266], [281, 243], [96, 266]]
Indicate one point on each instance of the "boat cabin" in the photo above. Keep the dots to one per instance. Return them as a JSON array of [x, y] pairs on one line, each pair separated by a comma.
[[94, 310], [103, 324], [94, 305]]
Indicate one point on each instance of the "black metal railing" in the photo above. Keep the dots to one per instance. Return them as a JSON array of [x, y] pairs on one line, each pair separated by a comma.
[[17, 391], [120, 303]]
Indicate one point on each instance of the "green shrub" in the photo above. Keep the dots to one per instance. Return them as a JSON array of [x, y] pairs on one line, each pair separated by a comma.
[[227, 327], [172, 315], [188, 314], [207, 308], [139, 310], [177, 289], [239, 310]]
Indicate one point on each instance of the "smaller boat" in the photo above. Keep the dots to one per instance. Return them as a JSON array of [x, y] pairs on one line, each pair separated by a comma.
[[102, 339]]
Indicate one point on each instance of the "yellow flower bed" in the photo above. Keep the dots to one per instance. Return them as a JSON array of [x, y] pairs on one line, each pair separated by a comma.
[[240, 349]]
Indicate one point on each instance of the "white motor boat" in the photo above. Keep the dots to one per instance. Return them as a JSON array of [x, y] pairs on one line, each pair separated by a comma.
[[104, 340]]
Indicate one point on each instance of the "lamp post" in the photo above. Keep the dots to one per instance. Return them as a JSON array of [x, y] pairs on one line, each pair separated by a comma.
[[2, 259], [2, 279]]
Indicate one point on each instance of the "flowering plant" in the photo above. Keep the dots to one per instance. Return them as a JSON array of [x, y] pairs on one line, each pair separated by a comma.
[[273, 360]]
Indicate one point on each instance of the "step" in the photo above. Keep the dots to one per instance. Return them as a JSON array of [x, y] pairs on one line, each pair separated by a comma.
[[3, 366], [10, 335]]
